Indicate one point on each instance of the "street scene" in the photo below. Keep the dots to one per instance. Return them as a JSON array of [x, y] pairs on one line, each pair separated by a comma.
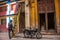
[[4, 36], [29, 19]]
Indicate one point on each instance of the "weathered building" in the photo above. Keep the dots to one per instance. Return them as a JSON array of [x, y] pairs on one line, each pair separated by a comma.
[[42, 14], [6, 13]]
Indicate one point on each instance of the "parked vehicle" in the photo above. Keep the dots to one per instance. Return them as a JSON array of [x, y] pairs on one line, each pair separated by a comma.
[[30, 33]]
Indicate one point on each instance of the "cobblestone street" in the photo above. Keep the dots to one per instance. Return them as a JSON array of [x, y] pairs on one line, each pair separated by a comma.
[[4, 36]]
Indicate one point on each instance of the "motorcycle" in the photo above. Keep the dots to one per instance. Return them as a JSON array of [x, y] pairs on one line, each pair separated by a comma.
[[32, 32]]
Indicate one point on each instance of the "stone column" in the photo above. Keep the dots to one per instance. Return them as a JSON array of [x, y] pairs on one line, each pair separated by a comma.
[[57, 16], [36, 8], [27, 14], [33, 14]]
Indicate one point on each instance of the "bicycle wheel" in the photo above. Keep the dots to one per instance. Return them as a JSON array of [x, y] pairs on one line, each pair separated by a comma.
[[38, 35]]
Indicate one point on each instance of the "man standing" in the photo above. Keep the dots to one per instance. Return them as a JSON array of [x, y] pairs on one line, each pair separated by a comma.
[[10, 29]]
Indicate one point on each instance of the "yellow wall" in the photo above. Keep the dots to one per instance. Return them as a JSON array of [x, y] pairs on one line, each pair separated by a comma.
[[57, 15], [34, 14]]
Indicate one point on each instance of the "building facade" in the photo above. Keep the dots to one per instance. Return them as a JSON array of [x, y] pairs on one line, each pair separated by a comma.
[[7, 12], [41, 14]]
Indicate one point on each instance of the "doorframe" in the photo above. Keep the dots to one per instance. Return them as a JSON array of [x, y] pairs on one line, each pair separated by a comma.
[[47, 18], [20, 12]]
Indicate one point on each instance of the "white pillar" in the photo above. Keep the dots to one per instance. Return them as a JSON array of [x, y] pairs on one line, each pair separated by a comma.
[[27, 15]]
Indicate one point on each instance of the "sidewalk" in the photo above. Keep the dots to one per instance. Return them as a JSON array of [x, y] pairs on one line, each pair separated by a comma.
[[4, 36]]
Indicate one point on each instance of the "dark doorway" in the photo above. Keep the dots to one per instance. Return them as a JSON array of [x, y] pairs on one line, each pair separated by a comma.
[[22, 22], [42, 22], [22, 17], [51, 22], [46, 12]]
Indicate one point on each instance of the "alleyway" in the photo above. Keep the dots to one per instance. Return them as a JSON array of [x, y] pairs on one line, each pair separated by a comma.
[[4, 36]]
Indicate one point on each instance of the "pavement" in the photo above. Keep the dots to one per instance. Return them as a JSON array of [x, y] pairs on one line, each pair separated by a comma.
[[4, 36]]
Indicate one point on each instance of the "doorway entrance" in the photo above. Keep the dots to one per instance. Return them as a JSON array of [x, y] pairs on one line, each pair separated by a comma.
[[22, 22], [42, 21], [51, 21], [22, 17], [50, 27], [46, 12]]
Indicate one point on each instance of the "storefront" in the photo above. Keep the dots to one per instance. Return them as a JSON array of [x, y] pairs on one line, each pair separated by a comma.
[[3, 18], [8, 12]]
